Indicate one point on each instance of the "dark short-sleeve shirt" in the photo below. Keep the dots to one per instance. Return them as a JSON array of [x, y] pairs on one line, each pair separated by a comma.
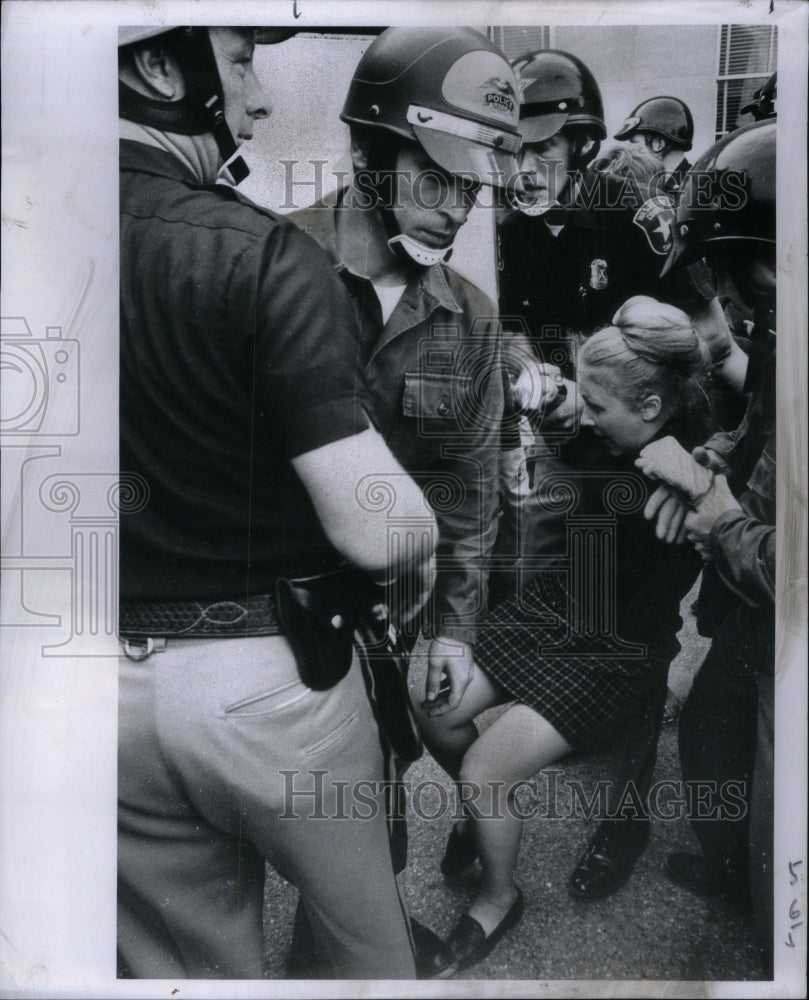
[[237, 354]]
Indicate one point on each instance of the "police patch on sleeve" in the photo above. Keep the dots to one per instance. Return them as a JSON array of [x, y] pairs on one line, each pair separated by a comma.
[[656, 218]]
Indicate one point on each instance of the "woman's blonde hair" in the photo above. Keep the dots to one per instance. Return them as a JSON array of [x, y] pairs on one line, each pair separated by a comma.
[[653, 348]]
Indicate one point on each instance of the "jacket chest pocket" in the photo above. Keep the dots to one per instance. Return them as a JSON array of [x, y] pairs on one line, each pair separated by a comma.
[[437, 401]]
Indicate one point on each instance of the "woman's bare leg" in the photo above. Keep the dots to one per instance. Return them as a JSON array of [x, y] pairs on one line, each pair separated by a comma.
[[513, 748], [449, 736]]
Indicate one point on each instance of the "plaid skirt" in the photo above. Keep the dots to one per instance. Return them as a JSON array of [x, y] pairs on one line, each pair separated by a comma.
[[587, 685]]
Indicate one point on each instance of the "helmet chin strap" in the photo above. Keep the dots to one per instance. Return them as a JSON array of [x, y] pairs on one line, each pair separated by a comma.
[[530, 208], [421, 254]]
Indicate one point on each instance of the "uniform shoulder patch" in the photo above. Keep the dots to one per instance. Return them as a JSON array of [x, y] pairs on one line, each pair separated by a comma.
[[655, 218]]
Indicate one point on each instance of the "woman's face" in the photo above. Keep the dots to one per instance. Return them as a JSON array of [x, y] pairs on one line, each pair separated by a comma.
[[624, 429]]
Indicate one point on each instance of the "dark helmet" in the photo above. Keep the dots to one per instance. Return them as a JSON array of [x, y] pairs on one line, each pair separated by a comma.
[[201, 110], [448, 89], [728, 197], [763, 104], [668, 117], [557, 90]]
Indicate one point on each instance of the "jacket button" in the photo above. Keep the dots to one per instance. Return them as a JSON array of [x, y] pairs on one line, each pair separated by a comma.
[[443, 408]]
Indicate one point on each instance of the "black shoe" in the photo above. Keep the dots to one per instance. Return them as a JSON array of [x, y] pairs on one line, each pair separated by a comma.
[[468, 944], [609, 859], [460, 853], [431, 950], [697, 874]]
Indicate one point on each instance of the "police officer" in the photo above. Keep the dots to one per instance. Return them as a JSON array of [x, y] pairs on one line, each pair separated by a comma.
[[242, 707], [665, 126], [575, 250], [726, 726], [433, 115]]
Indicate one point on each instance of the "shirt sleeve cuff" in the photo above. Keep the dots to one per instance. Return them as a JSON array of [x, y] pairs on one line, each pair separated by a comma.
[[324, 421]]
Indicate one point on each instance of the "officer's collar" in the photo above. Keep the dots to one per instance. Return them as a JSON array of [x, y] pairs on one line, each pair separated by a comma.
[[150, 159], [432, 280]]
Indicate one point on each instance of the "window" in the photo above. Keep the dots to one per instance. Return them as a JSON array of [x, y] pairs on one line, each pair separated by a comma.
[[747, 56], [516, 41]]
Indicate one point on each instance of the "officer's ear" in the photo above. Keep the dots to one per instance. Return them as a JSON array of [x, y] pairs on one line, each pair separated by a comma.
[[360, 154], [158, 72], [587, 146], [657, 144]]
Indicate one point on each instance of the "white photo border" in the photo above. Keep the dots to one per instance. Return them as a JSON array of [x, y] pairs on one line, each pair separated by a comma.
[[58, 712]]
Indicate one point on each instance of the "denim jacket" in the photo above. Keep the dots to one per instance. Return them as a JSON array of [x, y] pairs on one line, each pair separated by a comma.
[[435, 376]]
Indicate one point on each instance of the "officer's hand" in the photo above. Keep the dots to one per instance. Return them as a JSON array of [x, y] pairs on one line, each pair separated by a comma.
[[537, 385], [564, 418], [712, 327], [710, 459], [411, 591], [449, 671], [668, 509], [699, 521]]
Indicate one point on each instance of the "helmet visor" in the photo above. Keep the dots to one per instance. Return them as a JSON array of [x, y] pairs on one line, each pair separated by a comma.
[[542, 127], [466, 148], [629, 126]]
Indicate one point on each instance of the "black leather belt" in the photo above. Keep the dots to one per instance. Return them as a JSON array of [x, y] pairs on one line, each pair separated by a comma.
[[189, 619]]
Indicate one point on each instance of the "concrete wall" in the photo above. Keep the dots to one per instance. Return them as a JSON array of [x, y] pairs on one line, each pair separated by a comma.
[[634, 62]]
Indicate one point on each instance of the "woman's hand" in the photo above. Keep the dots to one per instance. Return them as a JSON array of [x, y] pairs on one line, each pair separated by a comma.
[[668, 509], [668, 461], [453, 660]]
